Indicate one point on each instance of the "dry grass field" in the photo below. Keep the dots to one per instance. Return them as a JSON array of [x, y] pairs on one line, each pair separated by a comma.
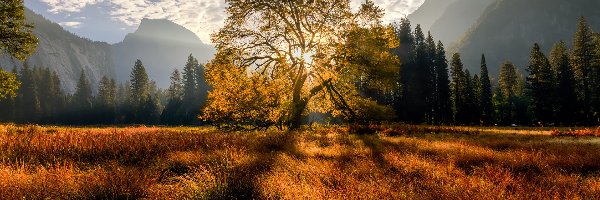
[[392, 162]]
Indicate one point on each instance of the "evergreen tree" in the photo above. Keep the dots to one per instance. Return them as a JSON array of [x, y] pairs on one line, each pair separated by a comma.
[[469, 99], [541, 86], [509, 86], [430, 79], [193, 76], [83, 98], [566, 105], [140, 85], [150, 111], [107, 94], [49, 93], [176, 87], [175, 93], [444, 102], [123, 109], [419, 80], [28, 104], [406, 53], [581, 59], [477, 117], [487, 107], [458, 87]]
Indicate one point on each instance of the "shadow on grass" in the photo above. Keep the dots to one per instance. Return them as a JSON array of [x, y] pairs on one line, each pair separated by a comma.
[[241, 181]]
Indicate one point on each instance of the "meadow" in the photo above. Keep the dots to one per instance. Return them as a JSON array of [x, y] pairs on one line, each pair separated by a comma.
[[334, 162]]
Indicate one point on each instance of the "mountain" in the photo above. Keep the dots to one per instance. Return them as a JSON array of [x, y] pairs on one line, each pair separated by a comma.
[[508, 29], [66, 54], [162, 46], [429, 12], [457, 18]]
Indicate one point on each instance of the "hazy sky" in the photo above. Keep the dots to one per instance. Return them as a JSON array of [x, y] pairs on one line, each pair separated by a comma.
[[111, 20]]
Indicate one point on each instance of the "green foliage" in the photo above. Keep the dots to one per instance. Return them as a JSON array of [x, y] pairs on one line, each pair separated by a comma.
[[16, 38], [541, 85], [8, 85], [487, 107], [83, 94], [140, 84], [566, 105], [582, 56], [459, 89], [443, 101], [106, 100]]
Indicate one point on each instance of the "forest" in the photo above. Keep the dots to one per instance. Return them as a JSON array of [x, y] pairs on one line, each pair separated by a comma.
[[428, 89]]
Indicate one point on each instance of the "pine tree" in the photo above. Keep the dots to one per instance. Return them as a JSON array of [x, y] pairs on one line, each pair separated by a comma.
[[458, 87], [175, 93], [176, 87], [487, 107], [28, 104], [469, 98], [83, 99], [406, 53], [189, 80], [444, 103], [50, 94], [581, 59], [150, 111], [540, 82], [477, 117], [566, 104], [140, 84], [509, 86], [107, 94], [193, 78], [430, 79]]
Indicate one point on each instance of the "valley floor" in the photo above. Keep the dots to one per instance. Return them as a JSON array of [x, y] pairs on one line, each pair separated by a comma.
[[397, 162]]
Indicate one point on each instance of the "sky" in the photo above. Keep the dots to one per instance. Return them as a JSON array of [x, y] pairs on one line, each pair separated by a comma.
[[110, 20]]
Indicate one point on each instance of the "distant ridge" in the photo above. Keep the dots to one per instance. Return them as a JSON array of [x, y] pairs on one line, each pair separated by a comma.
[[161, 44], [509, 28]]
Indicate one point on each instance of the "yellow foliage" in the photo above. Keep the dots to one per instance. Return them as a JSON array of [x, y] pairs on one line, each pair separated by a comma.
[[240, 98]]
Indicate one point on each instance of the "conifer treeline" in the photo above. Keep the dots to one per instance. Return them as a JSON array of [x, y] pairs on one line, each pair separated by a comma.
[[40, 99], [563, 89]]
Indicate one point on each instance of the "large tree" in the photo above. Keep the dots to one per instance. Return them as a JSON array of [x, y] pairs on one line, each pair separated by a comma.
[[566, 105], [140, 84], [442, 83], [16, 40], [541, 85], [459, 89], [509, 89], [582, 57], [313, 50], [487, 106]]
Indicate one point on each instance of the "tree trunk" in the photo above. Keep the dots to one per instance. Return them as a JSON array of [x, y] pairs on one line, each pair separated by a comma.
[[295, 120]]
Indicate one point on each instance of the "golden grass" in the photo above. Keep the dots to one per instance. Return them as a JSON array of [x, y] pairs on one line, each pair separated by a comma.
[[395, 162]]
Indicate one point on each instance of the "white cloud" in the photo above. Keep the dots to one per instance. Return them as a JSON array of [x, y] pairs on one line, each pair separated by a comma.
[[200, 16], [57, 6], [71, 24]]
